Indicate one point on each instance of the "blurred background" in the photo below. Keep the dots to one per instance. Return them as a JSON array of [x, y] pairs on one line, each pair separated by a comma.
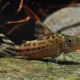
[[42, 8]]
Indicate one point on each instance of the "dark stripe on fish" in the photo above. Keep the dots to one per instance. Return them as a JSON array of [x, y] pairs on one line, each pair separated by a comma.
[[10, 53]]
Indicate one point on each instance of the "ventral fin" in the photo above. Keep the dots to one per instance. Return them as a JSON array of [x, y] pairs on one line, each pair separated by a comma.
[[41, 30]]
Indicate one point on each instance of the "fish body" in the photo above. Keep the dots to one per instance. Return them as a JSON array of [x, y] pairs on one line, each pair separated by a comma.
[[41, 48], [48, 44]]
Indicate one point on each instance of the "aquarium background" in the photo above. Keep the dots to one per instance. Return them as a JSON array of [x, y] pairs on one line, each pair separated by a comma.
[[42, 8]]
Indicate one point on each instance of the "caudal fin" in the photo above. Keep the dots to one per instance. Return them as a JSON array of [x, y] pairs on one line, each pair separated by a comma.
[[5, 39], [7, 47]]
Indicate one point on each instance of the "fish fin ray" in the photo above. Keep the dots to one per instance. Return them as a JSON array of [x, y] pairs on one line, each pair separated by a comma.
[[5, 39], [41, 30]]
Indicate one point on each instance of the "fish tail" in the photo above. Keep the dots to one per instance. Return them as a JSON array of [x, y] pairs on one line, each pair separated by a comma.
[[6, 47], [5, 39]]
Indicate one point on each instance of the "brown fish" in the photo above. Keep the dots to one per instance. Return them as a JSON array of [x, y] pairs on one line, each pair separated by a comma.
[[48, 45]]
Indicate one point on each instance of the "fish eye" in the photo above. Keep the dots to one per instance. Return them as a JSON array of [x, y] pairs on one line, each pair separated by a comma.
[[69, 40]]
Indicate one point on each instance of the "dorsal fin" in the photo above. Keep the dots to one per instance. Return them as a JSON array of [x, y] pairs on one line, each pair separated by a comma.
[[41, 30]]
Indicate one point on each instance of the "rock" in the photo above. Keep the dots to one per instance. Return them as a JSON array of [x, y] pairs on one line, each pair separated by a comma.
[[20, 69], [65, 21]]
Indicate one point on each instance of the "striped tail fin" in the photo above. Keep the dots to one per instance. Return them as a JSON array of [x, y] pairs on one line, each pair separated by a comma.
[[7, 47]]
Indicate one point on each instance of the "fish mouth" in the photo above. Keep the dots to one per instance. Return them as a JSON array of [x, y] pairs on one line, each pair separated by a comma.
[[78, 50]]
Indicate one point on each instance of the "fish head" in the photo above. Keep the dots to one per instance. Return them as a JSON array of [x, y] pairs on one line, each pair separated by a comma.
[[71, 44]]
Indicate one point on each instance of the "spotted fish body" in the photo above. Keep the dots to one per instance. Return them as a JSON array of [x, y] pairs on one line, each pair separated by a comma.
[[48, 45], [40, 48]]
